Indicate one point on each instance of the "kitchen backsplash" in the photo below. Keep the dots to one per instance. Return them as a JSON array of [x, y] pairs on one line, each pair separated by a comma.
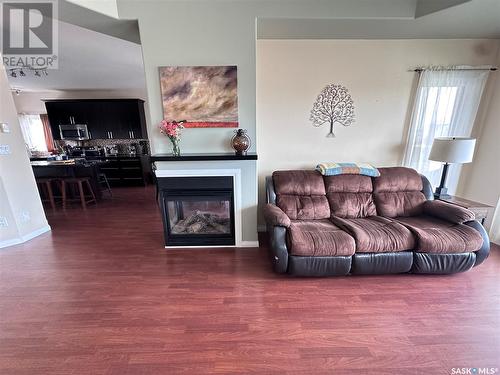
[[103, 143]]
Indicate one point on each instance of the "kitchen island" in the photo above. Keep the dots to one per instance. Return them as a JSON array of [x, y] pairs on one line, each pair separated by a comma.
[[120, 169], [70, 168]]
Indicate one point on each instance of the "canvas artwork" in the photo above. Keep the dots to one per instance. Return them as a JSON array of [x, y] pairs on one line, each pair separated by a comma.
[[204, 96]]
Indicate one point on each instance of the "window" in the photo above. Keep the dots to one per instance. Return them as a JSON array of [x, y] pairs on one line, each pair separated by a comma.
[[446, 104], [33, 132]]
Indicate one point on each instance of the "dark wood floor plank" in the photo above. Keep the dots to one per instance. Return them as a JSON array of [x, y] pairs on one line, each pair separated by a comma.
[[100, 295]]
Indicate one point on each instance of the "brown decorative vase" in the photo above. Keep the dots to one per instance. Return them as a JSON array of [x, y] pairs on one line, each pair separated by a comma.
[[240, 142]]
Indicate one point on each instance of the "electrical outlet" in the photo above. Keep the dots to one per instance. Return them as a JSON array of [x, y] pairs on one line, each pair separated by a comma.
[[3, 222], [24, 217], [4, 149]]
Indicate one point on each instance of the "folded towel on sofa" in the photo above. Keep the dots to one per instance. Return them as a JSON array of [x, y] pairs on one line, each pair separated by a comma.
[[333, 169]]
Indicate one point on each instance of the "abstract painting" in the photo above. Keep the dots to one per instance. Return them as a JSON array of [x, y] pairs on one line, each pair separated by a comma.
[[203, 96]]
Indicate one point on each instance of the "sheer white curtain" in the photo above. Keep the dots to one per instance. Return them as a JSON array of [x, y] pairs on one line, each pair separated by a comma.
[[446, 104], [495, 226], [32, 129]]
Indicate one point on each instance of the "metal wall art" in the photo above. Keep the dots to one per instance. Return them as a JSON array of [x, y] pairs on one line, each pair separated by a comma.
[[333, 104]]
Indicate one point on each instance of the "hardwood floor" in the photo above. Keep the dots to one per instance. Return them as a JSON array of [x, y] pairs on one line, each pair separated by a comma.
[[100, 295]]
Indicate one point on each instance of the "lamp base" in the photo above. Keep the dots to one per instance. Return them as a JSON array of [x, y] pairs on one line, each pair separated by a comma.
[[441, 192]]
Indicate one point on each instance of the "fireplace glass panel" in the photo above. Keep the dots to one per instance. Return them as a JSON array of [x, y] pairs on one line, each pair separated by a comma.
[[200, 216]]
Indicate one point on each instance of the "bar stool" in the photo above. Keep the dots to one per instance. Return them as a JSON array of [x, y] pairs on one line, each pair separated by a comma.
[[104, 183], [45, 188], [78, 183]]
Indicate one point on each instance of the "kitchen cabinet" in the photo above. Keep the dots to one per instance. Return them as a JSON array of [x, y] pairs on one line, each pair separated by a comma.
[[126, 170], [105, 118]]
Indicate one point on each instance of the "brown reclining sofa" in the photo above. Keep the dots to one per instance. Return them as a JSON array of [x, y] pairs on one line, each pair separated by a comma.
[[336, 225]]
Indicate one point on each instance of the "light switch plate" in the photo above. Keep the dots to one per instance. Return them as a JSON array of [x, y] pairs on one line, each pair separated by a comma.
[[3, 222], [24, 217], [4, 127], [4, 149]]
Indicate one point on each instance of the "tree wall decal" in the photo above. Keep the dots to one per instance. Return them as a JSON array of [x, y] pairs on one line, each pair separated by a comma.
[[333, 104]]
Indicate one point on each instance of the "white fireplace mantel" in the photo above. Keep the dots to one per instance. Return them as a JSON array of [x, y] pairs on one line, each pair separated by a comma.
[[236, 174]]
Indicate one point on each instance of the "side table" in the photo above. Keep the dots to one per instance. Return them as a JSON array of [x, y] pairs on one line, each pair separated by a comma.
[[480, 210]]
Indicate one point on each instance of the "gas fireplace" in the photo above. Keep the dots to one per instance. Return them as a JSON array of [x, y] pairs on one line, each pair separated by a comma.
[[197, 211]]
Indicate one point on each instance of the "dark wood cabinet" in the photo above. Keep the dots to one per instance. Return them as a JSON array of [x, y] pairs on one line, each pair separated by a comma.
[[126, 171], [105, 118]]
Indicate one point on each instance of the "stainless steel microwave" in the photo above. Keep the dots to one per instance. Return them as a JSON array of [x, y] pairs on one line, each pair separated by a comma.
[[74, 132]]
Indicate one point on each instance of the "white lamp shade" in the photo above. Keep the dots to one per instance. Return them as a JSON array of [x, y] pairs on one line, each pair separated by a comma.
[[453, 149]]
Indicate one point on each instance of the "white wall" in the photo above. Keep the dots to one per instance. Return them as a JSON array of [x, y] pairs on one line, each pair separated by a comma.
[[480, 180], [291, 73], [19, 199]]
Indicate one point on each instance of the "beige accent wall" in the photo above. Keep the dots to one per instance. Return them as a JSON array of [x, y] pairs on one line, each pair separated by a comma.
[[480, 180], [20, 202], [291, 73]]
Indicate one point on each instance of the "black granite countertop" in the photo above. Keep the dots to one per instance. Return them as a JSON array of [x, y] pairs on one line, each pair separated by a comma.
[[98, 157]]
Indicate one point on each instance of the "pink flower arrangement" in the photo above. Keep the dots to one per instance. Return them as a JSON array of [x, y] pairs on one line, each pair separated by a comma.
[[172, 129]]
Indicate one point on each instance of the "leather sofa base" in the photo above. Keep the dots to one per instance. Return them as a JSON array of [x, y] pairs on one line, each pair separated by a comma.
[[442, 263], [318, 266], [381, 263], [484, 251]]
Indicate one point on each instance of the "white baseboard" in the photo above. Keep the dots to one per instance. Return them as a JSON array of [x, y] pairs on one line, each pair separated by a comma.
[[12, 242], [26, 237], [242, 244], [249, 244]]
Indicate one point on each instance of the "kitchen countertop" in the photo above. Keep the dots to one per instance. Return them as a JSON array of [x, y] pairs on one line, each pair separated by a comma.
[[65, 163], [97, 157], [56, 169], [52, 163]]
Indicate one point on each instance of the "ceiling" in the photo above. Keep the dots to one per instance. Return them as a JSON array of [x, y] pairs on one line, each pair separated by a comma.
[[96, 62], [432, 19]]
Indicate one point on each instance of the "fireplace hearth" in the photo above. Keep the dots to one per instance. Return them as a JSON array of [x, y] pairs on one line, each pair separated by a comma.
[[197, 211]]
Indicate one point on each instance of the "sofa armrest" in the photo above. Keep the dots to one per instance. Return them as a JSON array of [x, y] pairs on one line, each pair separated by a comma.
[[275, 216], [449, 212]]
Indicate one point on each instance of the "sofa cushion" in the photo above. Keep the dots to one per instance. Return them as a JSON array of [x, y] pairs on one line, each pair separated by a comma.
[[350, 196], [377, 234], [298, 183], [398, 192], [442, 237], [304, 207], [301, 194], [318, 238]]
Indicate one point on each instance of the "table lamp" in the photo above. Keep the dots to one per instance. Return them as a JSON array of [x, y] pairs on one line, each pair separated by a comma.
[[451, 150]]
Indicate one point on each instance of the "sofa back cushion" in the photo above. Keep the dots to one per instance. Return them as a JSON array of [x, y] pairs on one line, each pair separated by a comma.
[[301, 194], [398, 192], [350, 196]]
